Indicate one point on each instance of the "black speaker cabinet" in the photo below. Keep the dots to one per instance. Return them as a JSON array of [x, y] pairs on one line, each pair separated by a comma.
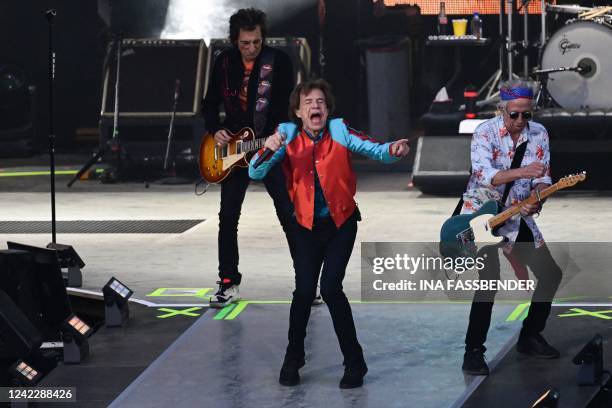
[[148, 71], [442, 164], [296, 48], [18, 337]]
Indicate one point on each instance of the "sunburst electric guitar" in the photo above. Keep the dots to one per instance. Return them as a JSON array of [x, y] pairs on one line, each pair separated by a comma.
[[216, 162], [467, 234]]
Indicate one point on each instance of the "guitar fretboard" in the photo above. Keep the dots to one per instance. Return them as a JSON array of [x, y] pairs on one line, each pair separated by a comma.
[[515, 209], [251, 145]]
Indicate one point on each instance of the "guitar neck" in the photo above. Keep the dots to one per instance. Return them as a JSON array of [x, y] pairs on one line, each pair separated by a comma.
[[251, 145], [515, 209]]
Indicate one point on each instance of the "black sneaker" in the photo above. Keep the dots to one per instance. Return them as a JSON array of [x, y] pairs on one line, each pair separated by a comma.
[[535, 345], [228, 293], [474, 362], [289, 375], [353, 376]]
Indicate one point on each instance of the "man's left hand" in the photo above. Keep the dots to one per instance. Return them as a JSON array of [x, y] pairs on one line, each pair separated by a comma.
[[530, 209], [400, 148]]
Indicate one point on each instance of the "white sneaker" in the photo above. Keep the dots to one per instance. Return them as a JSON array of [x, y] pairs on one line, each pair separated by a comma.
[[228, 293]]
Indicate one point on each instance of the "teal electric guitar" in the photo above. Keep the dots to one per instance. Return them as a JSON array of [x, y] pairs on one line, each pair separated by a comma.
[[467, 234]]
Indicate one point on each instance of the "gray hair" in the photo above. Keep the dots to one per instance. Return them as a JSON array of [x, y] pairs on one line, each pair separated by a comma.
[[518, 83]]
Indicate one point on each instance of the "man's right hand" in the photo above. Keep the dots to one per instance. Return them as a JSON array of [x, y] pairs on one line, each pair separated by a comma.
[[222, 137], [275, 141], [533, 170]]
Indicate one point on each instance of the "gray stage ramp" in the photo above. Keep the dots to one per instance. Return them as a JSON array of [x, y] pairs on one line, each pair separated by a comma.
[[414, 353], [519, 380]]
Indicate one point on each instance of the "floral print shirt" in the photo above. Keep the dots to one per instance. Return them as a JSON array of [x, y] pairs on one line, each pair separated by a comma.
[[492, 150]]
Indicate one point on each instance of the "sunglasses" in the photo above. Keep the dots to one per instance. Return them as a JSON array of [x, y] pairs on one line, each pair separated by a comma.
[[526, 115]]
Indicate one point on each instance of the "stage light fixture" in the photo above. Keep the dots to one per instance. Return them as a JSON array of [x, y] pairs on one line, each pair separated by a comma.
[[74, 335], [116, 306], [25, 375], [590, 360], [550, 399]]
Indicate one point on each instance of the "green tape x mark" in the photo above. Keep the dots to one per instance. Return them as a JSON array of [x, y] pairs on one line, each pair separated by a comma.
[[602, 314], [175, 312]]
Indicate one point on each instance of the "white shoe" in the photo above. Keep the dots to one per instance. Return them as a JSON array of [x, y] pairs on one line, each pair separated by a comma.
[[227, 294]]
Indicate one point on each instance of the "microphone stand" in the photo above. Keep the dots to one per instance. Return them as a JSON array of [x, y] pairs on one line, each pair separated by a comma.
[[114, 174], [172, 178], [67, 257], [50, 15]]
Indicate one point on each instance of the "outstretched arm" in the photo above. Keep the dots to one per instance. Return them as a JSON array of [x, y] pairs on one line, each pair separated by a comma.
[[361, 143]]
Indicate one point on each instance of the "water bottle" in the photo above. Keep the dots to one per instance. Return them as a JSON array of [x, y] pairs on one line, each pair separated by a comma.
[[477, 26]]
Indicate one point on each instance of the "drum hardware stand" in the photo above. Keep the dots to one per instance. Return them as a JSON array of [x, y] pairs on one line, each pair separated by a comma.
[[113, 174], [492, 84]]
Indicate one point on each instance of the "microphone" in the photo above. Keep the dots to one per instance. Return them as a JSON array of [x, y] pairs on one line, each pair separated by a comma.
[[50, 14], [584, 69], [264, 156], [177, 89]]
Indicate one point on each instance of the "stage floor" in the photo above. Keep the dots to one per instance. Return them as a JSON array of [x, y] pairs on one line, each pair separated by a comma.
[[414, 351]]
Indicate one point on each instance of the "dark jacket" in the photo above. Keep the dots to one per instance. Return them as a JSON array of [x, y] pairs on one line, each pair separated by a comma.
[[224, 89]]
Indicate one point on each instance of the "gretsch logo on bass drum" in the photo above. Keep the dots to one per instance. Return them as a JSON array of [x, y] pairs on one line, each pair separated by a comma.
[[565, 45]]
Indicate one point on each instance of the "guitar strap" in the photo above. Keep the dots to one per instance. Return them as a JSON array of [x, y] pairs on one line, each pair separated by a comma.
[[264, 91], [519, 153]]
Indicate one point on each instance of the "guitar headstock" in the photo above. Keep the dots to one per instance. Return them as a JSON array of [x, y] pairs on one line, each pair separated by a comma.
[[571, 180]]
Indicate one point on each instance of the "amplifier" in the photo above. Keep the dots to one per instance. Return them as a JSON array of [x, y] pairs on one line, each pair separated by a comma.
[[148, 71]]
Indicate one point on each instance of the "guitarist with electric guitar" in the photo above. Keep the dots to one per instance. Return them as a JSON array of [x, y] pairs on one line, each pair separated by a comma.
[[510, 180], [252, 82]]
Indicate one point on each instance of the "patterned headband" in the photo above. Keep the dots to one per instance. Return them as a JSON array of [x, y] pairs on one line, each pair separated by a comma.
[[508, 94]]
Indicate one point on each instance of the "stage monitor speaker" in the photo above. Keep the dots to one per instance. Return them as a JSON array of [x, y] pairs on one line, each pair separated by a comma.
[[47, 283], [442, 164], [18, 337], [296, 48], [148, 72]]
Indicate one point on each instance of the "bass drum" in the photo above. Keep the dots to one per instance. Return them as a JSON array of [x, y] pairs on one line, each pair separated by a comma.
[[586, 44]]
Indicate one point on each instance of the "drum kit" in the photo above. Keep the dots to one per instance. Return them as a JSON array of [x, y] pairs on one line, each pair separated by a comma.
[[575, 62]]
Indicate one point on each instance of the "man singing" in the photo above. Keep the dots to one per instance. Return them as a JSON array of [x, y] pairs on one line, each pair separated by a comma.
[[493, 147], [315, 155]]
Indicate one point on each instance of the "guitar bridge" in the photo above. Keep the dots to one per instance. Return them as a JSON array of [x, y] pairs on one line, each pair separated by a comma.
[[466, 237]]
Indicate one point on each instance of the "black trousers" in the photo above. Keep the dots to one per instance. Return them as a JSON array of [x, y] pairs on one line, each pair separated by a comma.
[[233, 191], [325, 249], [543, 266]]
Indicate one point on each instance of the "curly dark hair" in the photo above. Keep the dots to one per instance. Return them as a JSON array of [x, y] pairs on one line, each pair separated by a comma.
[[248, 20], [305, 88]]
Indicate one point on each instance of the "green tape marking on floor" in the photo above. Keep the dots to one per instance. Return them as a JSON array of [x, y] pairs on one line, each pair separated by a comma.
[[180, 292], [223, 312], [237, 310], [519, 313], [176, 312], [601, 314], [42, 173]]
